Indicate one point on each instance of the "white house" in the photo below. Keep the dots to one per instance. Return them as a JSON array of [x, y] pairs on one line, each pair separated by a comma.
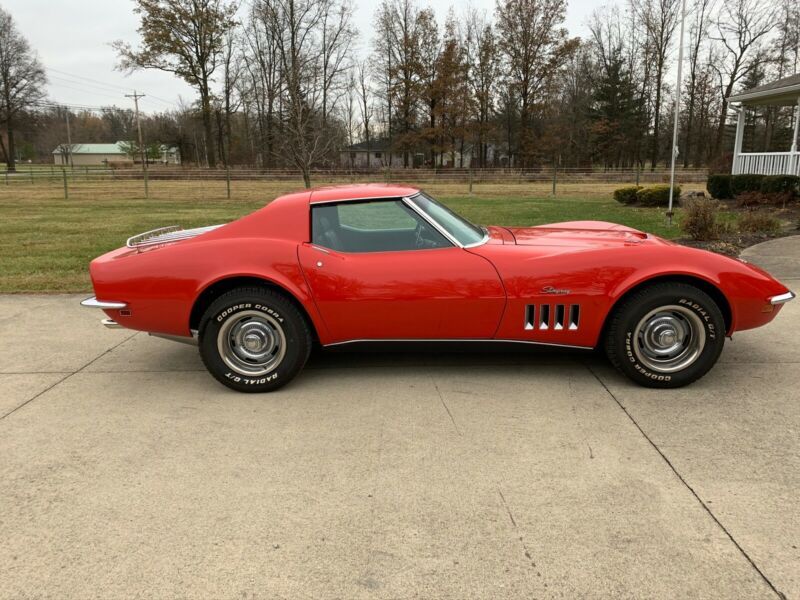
[[784, 92]]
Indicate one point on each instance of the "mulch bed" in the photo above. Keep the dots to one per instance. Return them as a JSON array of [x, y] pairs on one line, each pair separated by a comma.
[[732, 244]]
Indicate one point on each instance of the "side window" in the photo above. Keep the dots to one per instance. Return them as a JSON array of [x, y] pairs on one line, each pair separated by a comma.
[[372, 226], [376, 216]]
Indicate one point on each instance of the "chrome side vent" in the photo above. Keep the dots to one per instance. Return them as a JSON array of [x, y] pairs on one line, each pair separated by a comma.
[[559, 320], [557, 317], [530, 316], [574, 316], [544, 316]]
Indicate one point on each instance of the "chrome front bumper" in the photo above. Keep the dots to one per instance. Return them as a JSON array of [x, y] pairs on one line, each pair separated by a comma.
[[782, 299]]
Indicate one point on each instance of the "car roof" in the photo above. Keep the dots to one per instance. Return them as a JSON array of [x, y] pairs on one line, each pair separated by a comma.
[[364, 191]]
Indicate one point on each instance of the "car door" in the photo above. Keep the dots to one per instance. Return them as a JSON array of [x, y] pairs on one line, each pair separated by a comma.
[[377, 270]]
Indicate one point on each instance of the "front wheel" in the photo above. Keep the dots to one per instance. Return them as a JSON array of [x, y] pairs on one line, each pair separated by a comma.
[[254, 340], [666, 335]]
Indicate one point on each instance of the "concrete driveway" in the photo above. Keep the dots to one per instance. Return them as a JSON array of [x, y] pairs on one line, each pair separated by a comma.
[[126, 471]]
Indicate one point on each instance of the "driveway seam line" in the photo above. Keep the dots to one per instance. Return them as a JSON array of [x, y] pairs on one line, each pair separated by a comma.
[[520, 536], [766, 579], [447, 408], [63, 379]]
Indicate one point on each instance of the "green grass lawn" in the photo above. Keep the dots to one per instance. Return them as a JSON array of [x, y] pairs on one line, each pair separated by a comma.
[[46, 244]]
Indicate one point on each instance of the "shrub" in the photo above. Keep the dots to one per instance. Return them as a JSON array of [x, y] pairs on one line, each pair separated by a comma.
[[627, 195], [758, 222], [751, 199], [777, 184], [657, 195], [700, 219], [745, 183], [719, 186], [756, 199]]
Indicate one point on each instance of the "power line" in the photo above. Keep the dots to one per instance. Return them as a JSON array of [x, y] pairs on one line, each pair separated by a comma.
[[107, 95], [82, 84], [108, 86], [49, 104]]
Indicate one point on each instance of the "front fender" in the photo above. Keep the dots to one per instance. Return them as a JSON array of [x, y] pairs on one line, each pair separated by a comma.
[[745, 288]]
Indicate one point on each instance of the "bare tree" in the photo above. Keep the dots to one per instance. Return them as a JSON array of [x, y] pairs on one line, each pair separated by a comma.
[[659, 18], [741, 27], [184, 37], [535, 45], [400, 29], [350, 115], [698, 34], [22, 81], [384, 68], [484, 69], [365, 105], [231, 72], [296, 26], [337, 37], [263, 62]]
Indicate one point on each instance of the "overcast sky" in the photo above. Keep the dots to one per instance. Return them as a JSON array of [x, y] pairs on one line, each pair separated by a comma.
[[72, 39]]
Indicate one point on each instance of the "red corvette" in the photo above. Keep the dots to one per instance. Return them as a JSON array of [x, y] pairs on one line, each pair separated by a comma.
[[341, 265]]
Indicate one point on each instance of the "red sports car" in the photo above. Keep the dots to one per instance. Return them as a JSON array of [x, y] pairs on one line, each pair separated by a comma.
[[341, 265]]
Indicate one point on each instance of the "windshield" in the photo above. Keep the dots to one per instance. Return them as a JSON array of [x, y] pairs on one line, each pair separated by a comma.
[[462, 230]]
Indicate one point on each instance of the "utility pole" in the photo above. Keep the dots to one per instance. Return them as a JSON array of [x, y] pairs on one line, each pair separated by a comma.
[[136, 97], [69, 140]]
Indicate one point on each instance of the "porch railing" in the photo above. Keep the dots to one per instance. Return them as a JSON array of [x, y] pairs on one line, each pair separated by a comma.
[[767, 163]]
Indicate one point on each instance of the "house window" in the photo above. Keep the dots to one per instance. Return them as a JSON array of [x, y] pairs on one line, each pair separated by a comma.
[[378, 154]]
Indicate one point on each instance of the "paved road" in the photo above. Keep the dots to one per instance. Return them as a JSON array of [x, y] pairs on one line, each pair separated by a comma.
[[126, 471]]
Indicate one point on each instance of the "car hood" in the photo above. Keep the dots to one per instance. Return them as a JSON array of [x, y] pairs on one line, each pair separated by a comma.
[[579, 235]]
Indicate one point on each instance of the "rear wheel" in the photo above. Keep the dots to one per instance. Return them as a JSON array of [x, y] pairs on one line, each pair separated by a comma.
[[666, 335], [254, 340]]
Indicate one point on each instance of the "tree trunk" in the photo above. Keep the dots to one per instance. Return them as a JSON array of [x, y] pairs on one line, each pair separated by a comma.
[[656, 119], [221, 138], [11, 152], [205, 101]]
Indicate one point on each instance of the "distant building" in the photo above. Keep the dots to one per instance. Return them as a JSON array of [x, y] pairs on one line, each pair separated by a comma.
[[374, 155], [109, 155], [355, 157]]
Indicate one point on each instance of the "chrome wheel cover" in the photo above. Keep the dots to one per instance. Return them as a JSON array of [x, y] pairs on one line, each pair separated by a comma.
[[251, 343], [669, 338]]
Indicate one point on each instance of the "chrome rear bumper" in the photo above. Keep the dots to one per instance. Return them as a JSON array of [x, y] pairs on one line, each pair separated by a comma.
[[93, 302], [782, 299], [105, 305]]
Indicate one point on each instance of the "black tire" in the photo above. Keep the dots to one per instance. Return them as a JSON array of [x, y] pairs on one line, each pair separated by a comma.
[[279, 334], [642, 328]]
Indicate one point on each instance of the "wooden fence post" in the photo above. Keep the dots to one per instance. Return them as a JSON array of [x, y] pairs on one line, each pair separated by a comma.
[[66, 188], [228, 179]]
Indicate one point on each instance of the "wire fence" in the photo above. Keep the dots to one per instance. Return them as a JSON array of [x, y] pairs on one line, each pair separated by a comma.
[[53, 181]]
